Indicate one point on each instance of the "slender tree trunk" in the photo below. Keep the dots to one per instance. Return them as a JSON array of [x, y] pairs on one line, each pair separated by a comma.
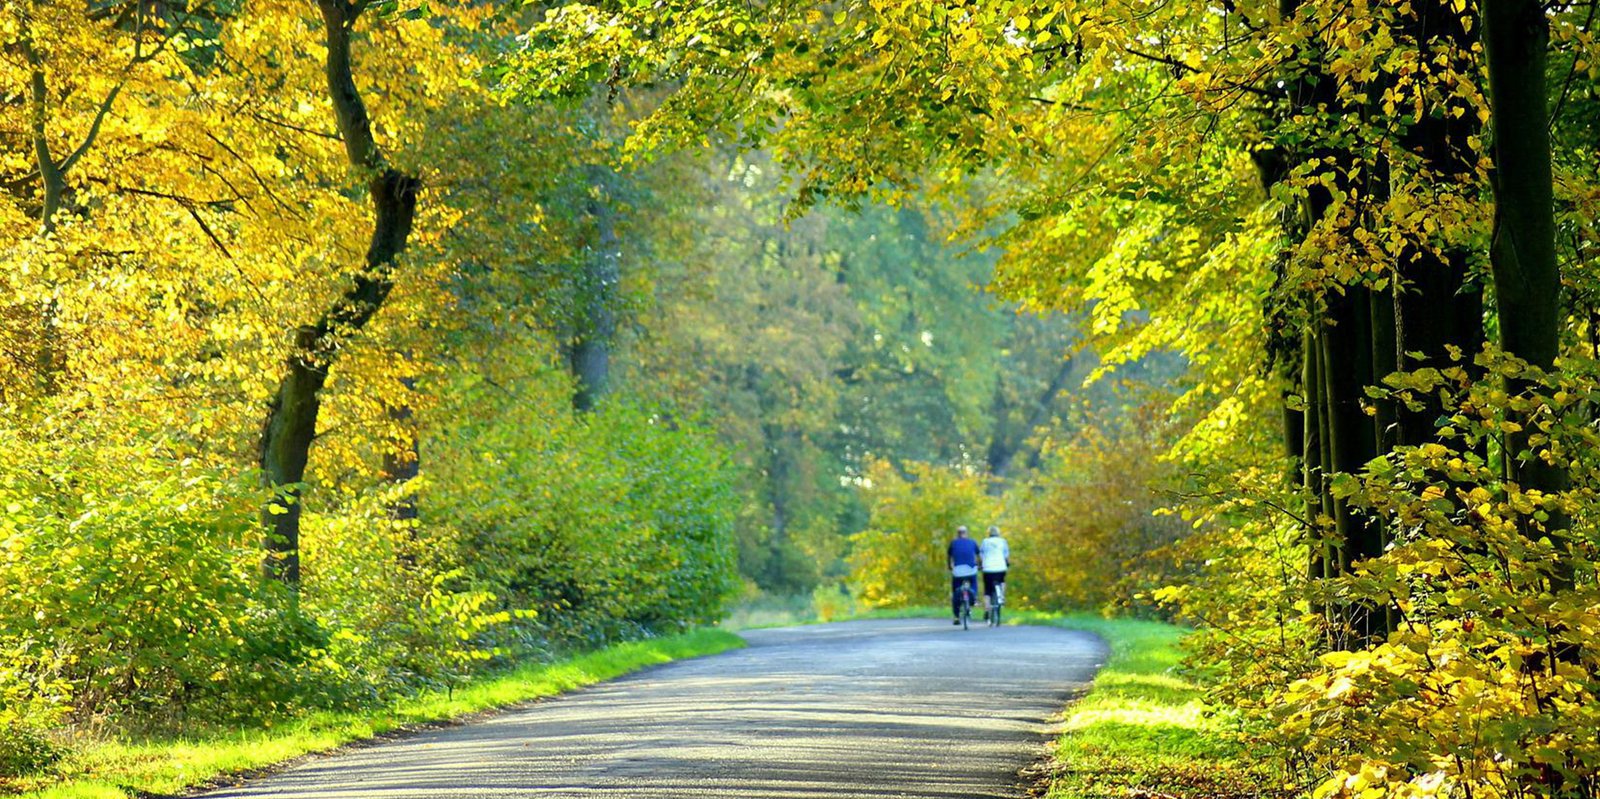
[[292, 414], [49, 359], [1000, 448], [52, 180], [53, 169], [1347, 355], [779, 473], [589, 352], [1347, 358], [1385, 340], [1386, 433], [1312, 451], [403, 463], [781, 470], [1293, 420], [1000, 462]]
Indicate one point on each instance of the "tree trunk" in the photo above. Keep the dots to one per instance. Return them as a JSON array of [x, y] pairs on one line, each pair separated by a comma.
[[1523, 253], [1311, 449], [292, 414], [1001, 448], [52, 180], [782, 469], [1348, 369], [589, 352], [1527, 281], [1385, 340], [1436, 307], [50, 360], [1001, 461], [1437, 304], [403, 463]]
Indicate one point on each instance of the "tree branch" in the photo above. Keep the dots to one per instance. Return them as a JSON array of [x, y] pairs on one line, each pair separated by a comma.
[[1176, 64]]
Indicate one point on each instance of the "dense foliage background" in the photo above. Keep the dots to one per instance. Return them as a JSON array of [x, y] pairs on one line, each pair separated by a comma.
[[351, 348], [332, 371], [1367, 230]]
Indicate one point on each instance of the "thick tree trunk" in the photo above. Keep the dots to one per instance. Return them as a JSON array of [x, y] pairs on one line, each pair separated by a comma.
[[285, 450], [1436, 307], [1523, 253], [1527, 281], [292, 414], [1437, 304]]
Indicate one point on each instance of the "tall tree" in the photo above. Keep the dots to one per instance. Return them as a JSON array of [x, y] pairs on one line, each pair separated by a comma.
[[291, 422], [1522, 254], [599, 283]]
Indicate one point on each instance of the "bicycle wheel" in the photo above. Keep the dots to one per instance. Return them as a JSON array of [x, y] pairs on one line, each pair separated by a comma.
[[966, 610], [994, 616]]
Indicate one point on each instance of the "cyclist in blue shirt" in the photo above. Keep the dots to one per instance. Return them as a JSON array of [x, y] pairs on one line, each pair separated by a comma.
[[963, 561]]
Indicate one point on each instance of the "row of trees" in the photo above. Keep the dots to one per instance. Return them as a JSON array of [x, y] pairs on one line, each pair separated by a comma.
[[1367, 229], [824, 342], [286, 291], [328, 373]]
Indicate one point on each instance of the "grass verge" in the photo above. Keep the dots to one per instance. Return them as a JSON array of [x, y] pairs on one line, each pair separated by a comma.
[[119, 770], [1143, 729]]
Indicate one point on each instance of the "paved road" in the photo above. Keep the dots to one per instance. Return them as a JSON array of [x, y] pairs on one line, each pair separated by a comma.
[[913, 708]]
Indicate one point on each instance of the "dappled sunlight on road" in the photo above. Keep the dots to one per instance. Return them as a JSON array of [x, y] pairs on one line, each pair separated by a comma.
[[896, 708]]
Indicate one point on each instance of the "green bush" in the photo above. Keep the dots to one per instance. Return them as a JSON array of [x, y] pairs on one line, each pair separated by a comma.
[[396, 609], [604, 526], [134, 596], [129, 578], [24, 751], [134, 593]]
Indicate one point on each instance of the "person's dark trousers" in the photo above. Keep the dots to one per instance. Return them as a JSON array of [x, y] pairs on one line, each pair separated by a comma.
[[955, 592]]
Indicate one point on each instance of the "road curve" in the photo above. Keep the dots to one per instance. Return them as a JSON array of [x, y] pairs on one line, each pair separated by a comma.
[[902, 708]]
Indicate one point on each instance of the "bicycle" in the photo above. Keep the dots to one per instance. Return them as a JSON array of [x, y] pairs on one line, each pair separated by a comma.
[[999, 602], [966, 605]]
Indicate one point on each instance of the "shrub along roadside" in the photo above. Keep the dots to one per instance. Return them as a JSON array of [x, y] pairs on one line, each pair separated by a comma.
[[119, 770]]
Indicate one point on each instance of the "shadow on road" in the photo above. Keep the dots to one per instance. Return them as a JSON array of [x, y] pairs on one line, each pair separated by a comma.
[[860, 709]]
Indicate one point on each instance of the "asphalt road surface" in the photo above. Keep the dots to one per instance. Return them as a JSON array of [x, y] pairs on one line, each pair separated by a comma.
[[913, 708]]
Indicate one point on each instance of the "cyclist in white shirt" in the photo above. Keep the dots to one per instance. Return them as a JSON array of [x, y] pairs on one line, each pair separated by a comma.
[[994, 556]]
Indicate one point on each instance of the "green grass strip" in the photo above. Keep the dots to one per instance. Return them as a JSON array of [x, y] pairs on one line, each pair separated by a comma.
[[1143, 729], [112, 770]]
